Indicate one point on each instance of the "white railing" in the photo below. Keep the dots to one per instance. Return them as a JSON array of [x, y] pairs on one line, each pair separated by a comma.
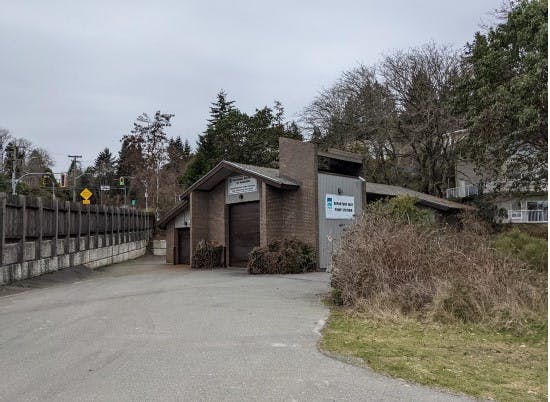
[[528, 216], [462, 192]]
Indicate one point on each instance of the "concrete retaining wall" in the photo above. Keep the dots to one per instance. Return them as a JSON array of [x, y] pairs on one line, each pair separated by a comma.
[[101, 252], [159, 247]]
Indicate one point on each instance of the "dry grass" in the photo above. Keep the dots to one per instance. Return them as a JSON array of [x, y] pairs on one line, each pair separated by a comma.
[[439, 306], [388, 264]]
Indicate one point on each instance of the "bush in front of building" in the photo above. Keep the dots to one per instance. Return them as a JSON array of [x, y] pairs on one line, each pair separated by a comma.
[[207, 255], [283, 257], [388, 264]]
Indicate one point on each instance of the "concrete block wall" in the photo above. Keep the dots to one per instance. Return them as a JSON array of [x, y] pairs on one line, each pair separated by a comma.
[[95, 257], [159, 247]]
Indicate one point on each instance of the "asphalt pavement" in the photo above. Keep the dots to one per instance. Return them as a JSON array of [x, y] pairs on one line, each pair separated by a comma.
[[146, 331]]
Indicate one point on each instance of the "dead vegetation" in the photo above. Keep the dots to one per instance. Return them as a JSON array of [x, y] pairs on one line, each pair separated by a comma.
[[207, 255], [282, 257], [394, 261]]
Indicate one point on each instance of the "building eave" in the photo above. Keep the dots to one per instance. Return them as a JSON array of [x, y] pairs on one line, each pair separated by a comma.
[[237, 168], [172, 214]]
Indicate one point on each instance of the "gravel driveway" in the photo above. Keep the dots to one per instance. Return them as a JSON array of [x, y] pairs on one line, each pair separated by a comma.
[[143, 330]]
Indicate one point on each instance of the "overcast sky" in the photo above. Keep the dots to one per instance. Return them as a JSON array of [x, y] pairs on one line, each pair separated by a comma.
[[74, 75]]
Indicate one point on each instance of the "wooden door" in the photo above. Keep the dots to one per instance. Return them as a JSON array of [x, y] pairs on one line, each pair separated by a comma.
[[244, 231], [184, 246]]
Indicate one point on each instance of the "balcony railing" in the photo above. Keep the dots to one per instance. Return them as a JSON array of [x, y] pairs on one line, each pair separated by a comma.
[[462, 192], [528, 216]]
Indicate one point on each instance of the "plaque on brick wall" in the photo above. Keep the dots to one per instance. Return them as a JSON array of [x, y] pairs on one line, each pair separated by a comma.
[[241, 185]]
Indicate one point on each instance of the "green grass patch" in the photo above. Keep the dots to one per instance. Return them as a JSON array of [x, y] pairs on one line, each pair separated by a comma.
[[469, 359], [529, 249]]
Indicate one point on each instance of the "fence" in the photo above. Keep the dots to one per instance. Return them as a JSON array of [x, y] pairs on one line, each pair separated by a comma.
[[462, 192], [528, 216], [34, 228]]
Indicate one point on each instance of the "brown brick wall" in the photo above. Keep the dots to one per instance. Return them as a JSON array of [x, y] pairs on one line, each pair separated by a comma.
[[170, 238], [271, 214], [199, 217], [298, 161], [216, 214]]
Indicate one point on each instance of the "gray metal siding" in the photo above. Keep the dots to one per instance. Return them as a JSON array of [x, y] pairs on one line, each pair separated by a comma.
[[329, 184]]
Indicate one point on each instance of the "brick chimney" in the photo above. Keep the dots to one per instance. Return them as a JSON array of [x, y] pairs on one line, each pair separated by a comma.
[[298, 162]]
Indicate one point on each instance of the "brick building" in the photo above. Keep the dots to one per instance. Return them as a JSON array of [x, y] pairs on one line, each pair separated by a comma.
[[311, 197]]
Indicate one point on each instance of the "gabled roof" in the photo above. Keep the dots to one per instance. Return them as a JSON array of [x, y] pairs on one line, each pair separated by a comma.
[[423, 199], [225, 169], [172, 213], [265, 173], [221, 171]]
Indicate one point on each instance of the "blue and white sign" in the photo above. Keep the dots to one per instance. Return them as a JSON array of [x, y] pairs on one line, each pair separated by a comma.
[[339, 206]]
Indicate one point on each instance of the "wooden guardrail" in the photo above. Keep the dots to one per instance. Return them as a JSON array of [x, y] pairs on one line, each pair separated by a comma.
[[53, 224]]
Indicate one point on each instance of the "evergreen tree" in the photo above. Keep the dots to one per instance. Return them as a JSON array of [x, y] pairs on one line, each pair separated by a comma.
[[504, 94], [235, 136]]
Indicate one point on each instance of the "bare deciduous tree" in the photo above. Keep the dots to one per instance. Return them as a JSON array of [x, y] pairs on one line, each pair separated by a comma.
[[421, 84], [396, 115]]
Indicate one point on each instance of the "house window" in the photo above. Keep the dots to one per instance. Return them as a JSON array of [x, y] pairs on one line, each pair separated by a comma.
[[516, 205]]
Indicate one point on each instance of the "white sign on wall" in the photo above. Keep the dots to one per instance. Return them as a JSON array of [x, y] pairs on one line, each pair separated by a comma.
[[241, 185], [339, 206]]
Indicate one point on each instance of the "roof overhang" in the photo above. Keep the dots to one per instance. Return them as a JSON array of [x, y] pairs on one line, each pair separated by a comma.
[[427, 200], [172, 213], [224, 169]]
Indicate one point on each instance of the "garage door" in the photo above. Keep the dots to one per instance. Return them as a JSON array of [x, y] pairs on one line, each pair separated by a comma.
[[184, 245], [244, 231]]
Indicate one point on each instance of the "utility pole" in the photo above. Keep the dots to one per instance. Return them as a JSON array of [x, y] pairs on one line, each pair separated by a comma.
[[74, 158]]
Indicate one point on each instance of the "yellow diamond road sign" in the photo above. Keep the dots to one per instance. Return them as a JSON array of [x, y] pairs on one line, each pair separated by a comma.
[[86, 194]]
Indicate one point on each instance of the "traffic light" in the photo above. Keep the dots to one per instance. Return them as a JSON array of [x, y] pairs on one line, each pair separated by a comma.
[[121, 181], [44, 180], [64, 180]]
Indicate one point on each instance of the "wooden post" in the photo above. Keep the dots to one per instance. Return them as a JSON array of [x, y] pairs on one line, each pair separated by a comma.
[[67, 227], [121, 234], [21, 250], [126, 225], [140, 224], [96, 226], [38, 243], [112, 226], [133, 225], [89, 224], [79, 224], [118, 224], [3, 223], [56, 227]]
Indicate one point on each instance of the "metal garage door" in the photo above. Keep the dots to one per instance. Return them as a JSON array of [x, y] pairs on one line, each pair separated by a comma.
[[244, 231], [184, 246]]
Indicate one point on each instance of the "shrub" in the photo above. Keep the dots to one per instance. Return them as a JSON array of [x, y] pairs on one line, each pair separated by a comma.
[[529, 249], [403, 209], [207, 255], [384, 264], [282, 257]]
